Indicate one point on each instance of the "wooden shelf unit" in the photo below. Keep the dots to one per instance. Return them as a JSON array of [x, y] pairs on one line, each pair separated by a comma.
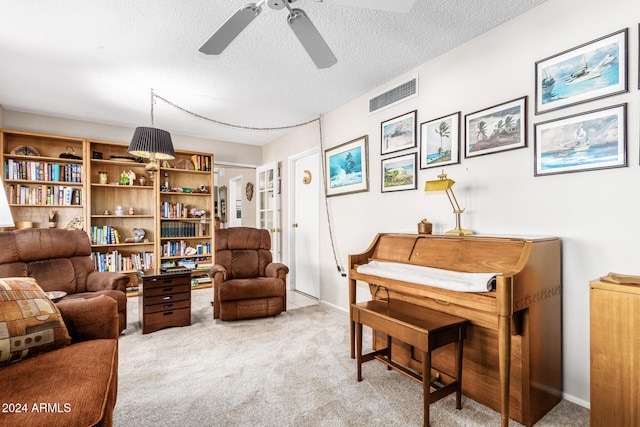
[[97, 200], [108, 159], [180, 191], [42, 172]]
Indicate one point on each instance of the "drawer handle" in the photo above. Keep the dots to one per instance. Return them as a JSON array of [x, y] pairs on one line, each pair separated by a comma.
[[167, 298], [439, 301], [167, 305], [167, 313], [167, 289]]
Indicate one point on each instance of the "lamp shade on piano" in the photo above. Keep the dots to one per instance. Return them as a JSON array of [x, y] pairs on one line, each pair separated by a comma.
[[445, 184]]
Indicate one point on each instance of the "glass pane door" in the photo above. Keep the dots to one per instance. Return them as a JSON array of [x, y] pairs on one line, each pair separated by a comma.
[[268, 215]]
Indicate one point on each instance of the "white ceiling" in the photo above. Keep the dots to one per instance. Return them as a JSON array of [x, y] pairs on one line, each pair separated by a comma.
[[97, 60]]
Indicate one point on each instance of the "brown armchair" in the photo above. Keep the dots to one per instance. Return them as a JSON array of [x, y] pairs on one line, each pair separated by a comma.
[[247, 284], [60, 260]]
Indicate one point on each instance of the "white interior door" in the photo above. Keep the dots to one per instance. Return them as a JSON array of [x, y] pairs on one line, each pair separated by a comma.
[[234, 205], [268, 205], [304, 205]]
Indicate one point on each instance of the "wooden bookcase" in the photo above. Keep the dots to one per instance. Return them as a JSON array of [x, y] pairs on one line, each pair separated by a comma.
[[115, 247], [177, 220], [185, 222], [39, 182]]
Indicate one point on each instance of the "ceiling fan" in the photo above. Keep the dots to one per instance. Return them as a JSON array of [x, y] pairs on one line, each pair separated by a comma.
[[298, 21]]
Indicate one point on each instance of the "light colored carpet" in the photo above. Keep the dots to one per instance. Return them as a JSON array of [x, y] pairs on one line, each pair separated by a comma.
[[289, 370]]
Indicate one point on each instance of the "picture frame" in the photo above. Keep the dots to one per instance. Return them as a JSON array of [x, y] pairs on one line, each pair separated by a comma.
[[398, 133], [440, 141], [498, 128], [591, 140], [593, 70], [399, 173], [347, 167]]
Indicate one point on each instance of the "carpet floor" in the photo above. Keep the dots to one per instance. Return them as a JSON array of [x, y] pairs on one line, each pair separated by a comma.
[[290, 370]]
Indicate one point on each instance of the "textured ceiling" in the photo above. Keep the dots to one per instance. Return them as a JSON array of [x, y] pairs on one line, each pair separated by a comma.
[[97, 60]]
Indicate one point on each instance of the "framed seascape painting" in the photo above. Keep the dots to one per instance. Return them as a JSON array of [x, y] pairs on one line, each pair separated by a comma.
[[398, 133], [590, 71], [399, 173], [498, 128], [347, 167], [440, 141], [585, 141]]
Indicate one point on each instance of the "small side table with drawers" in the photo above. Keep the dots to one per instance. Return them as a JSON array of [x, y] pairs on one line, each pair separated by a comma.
[[165, 299]]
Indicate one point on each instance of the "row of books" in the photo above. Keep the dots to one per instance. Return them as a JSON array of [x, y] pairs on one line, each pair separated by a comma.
[[115, 261], [196, 263], [201, 163], [104, 235], [174, 210], [43, 195], [43, 171], [182, 248], [178, 229]]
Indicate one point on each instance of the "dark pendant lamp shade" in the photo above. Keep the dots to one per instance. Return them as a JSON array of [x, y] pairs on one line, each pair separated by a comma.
[[152, 143]]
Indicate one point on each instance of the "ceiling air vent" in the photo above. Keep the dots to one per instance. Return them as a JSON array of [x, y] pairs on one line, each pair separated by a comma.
[[400, 93]]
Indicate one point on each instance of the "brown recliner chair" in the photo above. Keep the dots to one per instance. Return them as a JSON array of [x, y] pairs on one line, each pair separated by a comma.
[[60, 260], [247, 284]]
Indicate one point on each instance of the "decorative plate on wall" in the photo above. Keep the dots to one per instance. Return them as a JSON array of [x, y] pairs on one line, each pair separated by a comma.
[[25, 150], [185, 164]]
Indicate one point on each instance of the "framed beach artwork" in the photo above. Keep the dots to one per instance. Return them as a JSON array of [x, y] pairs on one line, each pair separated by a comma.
[[585, 141], [399, 173], [498, 128], [590, 71], [440, 141], [347, 167], [398, 133]]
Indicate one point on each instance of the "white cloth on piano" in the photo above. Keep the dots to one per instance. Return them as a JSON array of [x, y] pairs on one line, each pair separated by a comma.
[[437, 277]]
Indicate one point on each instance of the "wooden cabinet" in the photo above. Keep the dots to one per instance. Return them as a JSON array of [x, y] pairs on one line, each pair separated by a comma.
[[185, 223], [615, 354], [39, 183], [165, 300]]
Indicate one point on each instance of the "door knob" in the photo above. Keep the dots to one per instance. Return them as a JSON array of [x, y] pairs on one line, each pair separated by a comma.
[[295, 225]]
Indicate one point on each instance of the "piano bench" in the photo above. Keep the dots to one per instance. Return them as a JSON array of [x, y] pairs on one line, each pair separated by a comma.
[[420, 327]]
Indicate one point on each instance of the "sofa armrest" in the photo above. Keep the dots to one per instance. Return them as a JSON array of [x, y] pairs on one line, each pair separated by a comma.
[[219, 273], [91, 318], [107, 280], [276, 269]]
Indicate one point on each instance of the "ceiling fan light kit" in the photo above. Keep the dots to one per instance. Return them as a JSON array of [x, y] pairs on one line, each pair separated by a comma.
[[298, 21]]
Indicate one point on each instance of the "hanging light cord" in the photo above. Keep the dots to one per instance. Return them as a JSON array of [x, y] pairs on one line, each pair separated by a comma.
[[198, 116], [324, 173]]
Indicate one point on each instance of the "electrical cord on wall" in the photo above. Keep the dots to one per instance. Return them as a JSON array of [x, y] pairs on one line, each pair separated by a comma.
[[326, 202]]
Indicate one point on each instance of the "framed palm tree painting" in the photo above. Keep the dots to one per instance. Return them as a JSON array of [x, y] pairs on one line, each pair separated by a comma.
[[440, 141], [498, 128]]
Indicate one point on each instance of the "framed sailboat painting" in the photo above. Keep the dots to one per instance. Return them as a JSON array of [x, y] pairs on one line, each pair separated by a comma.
[[590, 71], [586, 141]]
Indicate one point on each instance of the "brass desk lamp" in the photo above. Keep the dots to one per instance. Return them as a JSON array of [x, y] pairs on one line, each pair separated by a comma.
[[445, 184]]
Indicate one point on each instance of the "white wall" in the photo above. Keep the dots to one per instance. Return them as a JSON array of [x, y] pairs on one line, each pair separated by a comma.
[[594, 213]]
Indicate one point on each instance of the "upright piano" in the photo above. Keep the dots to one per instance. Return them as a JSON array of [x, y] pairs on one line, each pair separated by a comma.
[[513, 350]]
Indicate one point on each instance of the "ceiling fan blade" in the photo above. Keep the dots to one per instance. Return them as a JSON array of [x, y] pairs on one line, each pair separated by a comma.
[[400, 6], [311, 39], [230, 29]]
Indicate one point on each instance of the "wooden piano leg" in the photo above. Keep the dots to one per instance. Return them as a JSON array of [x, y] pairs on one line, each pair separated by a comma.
[[426, 385], [352, 324], [504, 358]]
